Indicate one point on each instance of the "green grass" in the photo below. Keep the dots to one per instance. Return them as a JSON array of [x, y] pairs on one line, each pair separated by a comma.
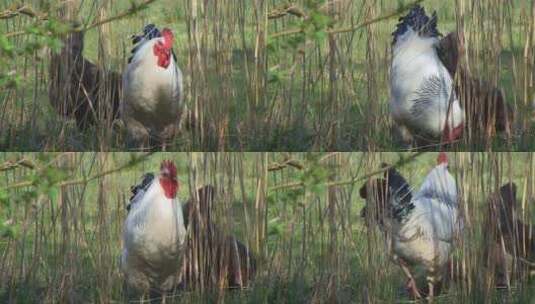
[[311, 244]]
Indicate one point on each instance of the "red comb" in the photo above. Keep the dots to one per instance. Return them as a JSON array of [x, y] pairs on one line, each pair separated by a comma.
[[168, 37], [169, 165], [442, 158]]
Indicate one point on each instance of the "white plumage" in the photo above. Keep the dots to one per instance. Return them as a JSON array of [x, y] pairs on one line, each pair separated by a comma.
[[152, 93], [426, 235], [153, 237], [422, 96], [422, 226]]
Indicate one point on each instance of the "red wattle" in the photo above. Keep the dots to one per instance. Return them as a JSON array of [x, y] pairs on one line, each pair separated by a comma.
[[163, 54], [170, 187]]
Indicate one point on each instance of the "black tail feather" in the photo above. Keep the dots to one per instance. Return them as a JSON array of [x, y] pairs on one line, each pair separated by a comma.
[[144, 185], [418, 20], [150, 31], [400, 187]]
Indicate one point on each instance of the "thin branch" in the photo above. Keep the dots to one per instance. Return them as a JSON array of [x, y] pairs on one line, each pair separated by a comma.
[[10, 165], [296, 164], [108, 172], [395, 13], [132, 10], [286, 163], [286, 33], [287, 9], [287, 186], [14, 34], [19, 9], [400, 163], [85, 179]]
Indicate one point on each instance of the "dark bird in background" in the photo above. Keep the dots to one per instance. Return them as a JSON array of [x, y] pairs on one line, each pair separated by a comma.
[[80, 89], [220, 260], [511, 241], [486, 109]]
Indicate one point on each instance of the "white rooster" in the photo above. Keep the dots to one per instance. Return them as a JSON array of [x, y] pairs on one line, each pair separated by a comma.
[[154, 234], [423, 102], [152, 105], [422, 227]]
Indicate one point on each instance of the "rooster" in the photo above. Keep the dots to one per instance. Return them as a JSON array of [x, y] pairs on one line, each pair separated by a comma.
[[423, 102], [152, 106], [154, 234], [421, 226]]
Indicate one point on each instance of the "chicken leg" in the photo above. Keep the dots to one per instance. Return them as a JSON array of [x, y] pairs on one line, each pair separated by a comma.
[[430, 283], [411, 283], [431, 280]]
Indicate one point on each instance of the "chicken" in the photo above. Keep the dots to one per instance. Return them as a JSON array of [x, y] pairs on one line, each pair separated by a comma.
[[152, 107], [511, 241], [213, 256], [486, 109], [154, 234], [423, 103], [422, 226], [78, 88]]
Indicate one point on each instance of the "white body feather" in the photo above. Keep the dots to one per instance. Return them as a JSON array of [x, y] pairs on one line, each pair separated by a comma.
[[152, 95], [153, 239], [415, 62], [426, 236]]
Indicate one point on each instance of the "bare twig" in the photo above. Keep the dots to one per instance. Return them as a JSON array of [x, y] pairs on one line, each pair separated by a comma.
[[395, 13], [19, 9], [286, 163], [10, 165], [84, 180], [132, 10], [108, 172], [287, 9], [401, 162]]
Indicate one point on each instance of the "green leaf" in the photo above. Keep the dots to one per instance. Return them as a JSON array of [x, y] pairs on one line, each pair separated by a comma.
[[53, 193], [4, 197], [6, 46], [320, 36], [275, 227], [8, 232]]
